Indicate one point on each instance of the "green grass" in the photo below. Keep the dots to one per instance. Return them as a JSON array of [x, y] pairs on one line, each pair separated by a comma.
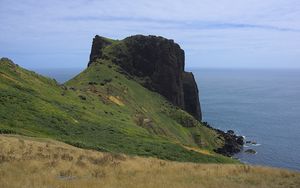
[[86, 112]]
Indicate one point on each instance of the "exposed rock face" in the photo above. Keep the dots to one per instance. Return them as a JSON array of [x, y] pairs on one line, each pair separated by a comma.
[[232, 143], [99, 43], [191, 95], [159, 59], [160, 62], [7, 60]]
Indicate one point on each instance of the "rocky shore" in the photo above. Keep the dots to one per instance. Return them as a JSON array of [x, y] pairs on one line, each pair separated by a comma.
[[233, 143]]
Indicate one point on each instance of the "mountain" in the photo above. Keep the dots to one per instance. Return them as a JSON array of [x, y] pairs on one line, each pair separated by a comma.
[[158, 63], [133, 98]]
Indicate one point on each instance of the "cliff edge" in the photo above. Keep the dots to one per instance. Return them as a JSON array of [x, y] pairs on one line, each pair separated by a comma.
[[157, 62]]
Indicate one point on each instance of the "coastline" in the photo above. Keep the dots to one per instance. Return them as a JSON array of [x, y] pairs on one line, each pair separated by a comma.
[[233, 143]]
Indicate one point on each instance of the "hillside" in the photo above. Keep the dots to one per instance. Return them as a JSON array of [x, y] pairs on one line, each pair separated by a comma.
[[156, 63], [105, 110], [38, 163]]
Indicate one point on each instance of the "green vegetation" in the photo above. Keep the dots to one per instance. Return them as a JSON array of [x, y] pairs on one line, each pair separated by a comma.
[[105, 110]]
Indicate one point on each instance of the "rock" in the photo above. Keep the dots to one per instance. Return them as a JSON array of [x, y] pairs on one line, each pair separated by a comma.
[[157, 61], [82, 97], [240, 140], [187, 121], [92, 83], [230, 132], [191, 95], [98, 44], [5, 59], [8, 62], [233, 143], [251, 142], [250, 151], [73, 88]]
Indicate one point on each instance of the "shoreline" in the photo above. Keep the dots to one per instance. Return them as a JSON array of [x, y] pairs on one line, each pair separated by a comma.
[[233, 143]]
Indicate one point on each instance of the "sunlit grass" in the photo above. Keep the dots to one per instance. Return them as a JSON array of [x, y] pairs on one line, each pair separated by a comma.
[[36, 163], [102, 109]]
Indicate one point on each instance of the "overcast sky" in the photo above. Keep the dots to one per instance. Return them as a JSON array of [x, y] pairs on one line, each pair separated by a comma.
[[215, 34]]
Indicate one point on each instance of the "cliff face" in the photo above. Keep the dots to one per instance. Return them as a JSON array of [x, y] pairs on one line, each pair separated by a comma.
[[191, 95], [99, 43], [159, 62], [159, 59]]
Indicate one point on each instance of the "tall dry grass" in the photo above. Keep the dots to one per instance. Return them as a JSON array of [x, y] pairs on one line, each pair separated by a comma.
[[37, 163]]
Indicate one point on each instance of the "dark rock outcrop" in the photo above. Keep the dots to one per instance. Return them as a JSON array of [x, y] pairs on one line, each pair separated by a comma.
[[250, 151], [191, 95], [232, 143], [160, 64], [159, 59], [7, 61], [99, 43]]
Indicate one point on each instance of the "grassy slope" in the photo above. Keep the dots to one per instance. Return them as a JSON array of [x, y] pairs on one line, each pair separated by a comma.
[[37, 163], [113, 113]]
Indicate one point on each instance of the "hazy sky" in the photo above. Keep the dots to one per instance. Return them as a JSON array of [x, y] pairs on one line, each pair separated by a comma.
[[219, 33]]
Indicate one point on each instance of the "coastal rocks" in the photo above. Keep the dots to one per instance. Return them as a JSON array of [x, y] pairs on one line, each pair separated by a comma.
[[240, 140], [254, 143], [250, 151], [250, 144], [232, 143], [158, 63]]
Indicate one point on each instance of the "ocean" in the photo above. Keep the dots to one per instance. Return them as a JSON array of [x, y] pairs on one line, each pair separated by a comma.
[[262, 105]]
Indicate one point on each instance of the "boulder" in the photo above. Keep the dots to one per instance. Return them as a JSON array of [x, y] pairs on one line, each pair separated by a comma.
[[240, 140], [250, 151]]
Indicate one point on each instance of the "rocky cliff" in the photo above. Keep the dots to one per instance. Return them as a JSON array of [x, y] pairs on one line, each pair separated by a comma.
[[158, 62], [191, 95], [99, 43]]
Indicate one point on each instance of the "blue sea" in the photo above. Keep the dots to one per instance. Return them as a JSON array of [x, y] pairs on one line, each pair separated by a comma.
[[262, 105]]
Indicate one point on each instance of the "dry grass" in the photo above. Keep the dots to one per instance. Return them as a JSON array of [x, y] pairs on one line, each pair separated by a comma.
[[31, 162], [116, 100]]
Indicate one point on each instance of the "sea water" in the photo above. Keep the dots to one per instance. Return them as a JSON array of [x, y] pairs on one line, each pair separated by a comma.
[[262, 105]]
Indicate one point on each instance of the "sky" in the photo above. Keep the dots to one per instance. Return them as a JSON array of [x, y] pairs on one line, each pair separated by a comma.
[[214, 34]]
